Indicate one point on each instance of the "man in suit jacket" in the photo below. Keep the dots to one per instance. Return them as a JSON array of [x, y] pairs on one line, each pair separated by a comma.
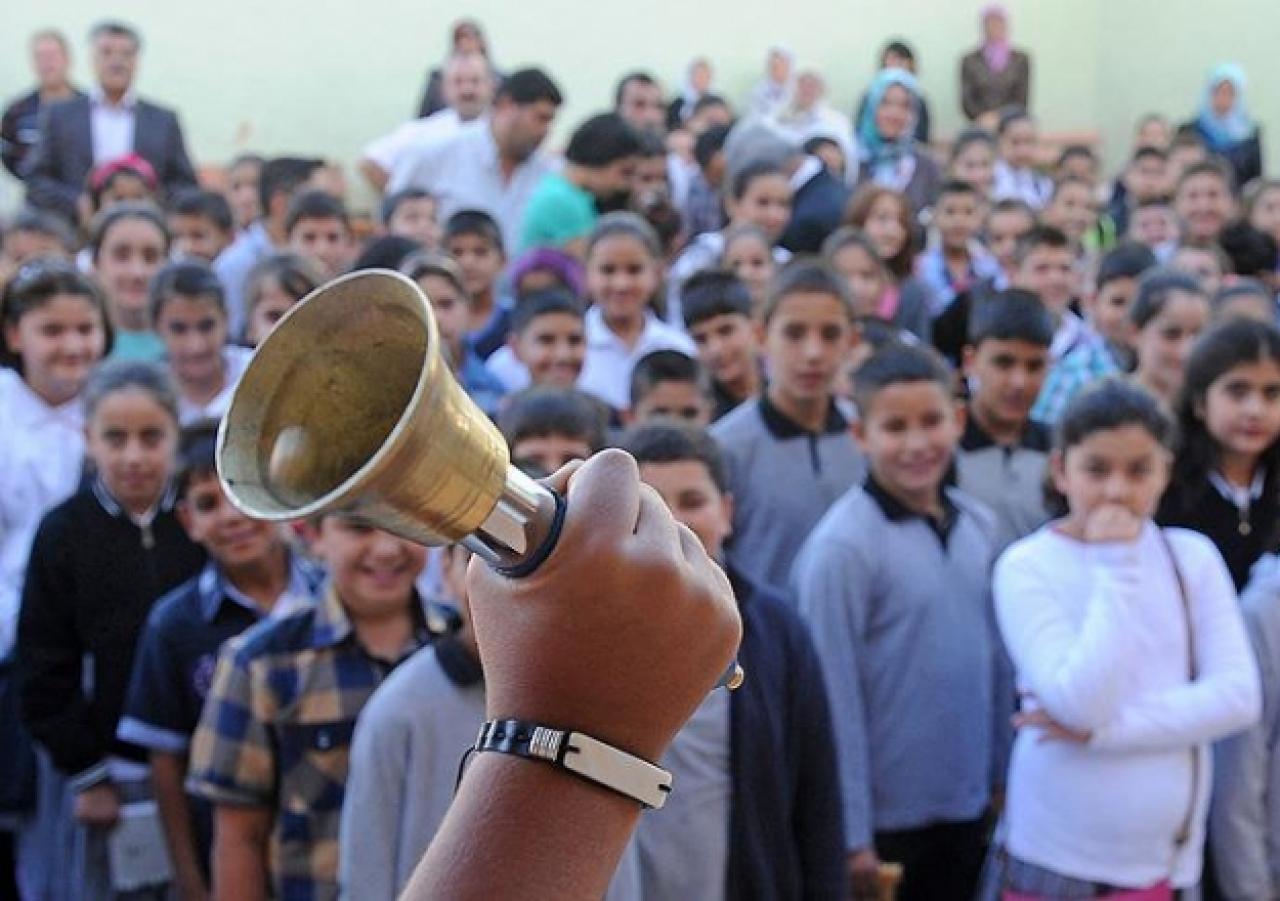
[[84, 132]]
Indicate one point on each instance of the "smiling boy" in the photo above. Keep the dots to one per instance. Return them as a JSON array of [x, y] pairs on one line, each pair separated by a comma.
[[271, 752], [894, 584]]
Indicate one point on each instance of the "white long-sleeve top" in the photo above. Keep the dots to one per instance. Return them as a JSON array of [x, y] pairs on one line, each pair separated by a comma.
[[1097, 635], [41, 458]]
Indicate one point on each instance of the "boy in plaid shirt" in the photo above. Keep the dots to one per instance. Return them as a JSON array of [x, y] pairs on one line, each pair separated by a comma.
[[271, 752]]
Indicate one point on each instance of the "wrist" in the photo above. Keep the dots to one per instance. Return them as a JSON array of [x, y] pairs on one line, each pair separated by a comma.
[[601, 722], [579, 754]]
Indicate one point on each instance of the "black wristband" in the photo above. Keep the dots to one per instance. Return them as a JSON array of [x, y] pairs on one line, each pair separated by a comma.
[[580, 754]]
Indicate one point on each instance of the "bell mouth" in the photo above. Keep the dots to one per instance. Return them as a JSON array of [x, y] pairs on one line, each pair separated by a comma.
[[325, 394]]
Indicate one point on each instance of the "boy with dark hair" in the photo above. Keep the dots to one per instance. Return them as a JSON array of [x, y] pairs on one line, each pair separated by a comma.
[[440, 278], [547, 344], [1072, 208], [1145, 178], [201, 224], [793, 427], [278, 181], [1076, 161], [1153, 223], [1204, 200], [1253, 253], [319, 229], [913, 682], [272, 749], [547, 427], [667, 384], [716, 306], [473, 238], [250, 575], [411, 213], [1047, 268], [703, 209], [1108, 351], [757, 814], [600, 164], [1004, 455], [956, 261]]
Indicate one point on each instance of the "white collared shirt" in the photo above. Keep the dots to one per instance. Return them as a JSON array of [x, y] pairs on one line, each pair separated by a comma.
[[607, 371], [111, 126], [388, 150], [235, 360], [464, 172], [41, 458]]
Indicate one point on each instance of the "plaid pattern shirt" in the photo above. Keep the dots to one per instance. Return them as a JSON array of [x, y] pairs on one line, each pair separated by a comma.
[[1076, 371], [276, 732]]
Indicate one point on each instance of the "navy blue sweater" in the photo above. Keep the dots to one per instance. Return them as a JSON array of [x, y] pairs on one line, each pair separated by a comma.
[[786, 834]]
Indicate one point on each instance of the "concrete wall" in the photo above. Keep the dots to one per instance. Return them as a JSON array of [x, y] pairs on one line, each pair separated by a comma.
[[325, 77]]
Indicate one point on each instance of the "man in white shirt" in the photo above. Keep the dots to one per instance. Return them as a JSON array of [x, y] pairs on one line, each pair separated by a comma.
[[84, 132], [468, 90], [492, 164]]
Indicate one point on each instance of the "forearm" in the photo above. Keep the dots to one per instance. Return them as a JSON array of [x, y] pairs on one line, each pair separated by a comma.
[[1074, 674], [239, 867], [374, 174], [562, 835], [168, 772], [1189, 714]]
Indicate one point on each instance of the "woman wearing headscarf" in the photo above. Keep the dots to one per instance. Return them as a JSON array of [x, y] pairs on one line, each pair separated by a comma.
[[1225, 125], [888, 151], [465, 37], [995, 75], [897, 54]]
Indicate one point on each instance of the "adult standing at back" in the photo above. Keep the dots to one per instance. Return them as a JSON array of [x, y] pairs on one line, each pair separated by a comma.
[[1225, 126], [493, 164], [897, 54], [466, 37], [468, 90], [51, 60], [994, 75], [111, 122], [600, 166], [887, 147]]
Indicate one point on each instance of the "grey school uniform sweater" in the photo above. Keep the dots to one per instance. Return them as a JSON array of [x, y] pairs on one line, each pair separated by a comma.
[[1009, 480], [408, 745], [782, 478], [899, 607]]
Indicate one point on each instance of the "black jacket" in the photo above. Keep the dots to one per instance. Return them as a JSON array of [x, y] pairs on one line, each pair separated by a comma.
[[1244, 156], [92, 580], [57, 166], [1201, 507], [19, 129], [815, 212], [786, 829]]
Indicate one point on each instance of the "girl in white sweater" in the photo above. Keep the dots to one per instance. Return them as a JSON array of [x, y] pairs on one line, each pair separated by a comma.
[[1131, 658]]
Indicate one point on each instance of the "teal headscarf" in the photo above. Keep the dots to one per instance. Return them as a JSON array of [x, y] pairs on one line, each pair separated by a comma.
[[1224, 132], [872, 146]]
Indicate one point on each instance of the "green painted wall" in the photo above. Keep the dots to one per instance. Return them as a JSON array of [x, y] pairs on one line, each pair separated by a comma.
[[325, 77]]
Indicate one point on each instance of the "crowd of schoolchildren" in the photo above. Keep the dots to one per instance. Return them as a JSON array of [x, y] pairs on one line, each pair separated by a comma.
[[987, 442]]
